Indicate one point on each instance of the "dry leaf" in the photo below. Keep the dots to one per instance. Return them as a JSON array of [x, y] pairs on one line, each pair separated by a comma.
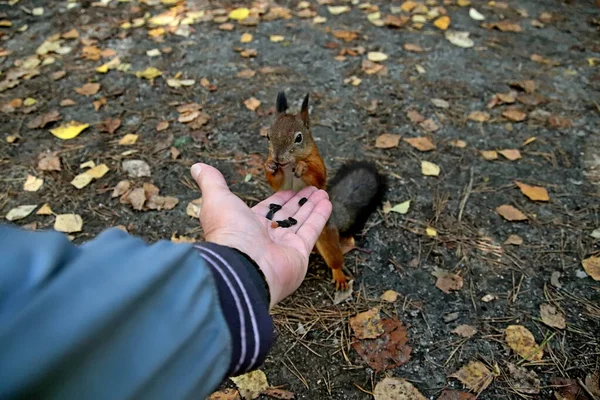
[[68, 223], [515, 115], [252, 103], [370, 67], [440, 103], [88, 89], [185, 239], [510, 154], [461, 144], [475, 376], [376, 56], [279, 394], [109, 125], [535, 193], [510, 213], [401, 208], [341, 295], [82, 180], [121, 188], [431, 232], [128, 139], [162, 202], [521, 340], [193, 208], [415, 48], [239, 14], [162, 125], [390, 296], [479, 116], [442, 22], [465, 331], [246, 37], [420, 143], [592, 381], [149, 73], [45, 210], [276, 38], [252, 384], [552, 317], [69, 130], [504, 26], [137, 198], [489, 155], [42, 120], [476, 15], [20, 212], [347, 36], [514, 240], [429, 168], [367, 325], [429, 125], [98, 171], [225, 394], [136, 168], [389, 350], [49, 162], [396, 389], [460, 39], [228, 26], [523, 381], [337, 10], [396, 21], [591, 266], [447, 281], [488, 297], [32, 184], [67, 103], [387, 141], [415, 117], [246, 73]]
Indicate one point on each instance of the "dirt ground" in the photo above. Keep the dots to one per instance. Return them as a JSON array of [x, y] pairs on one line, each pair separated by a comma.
[[313, 356]]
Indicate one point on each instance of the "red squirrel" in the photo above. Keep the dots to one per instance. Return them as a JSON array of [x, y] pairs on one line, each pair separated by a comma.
[[294, 162]]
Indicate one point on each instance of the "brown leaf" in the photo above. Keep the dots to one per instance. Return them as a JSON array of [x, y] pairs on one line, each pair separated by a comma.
[[447, 281], [188, 116], [448, 394], [225, 394], [514, 115], [429, 125], [396, 389], [558, 122], [227, 26], [567, 389], [592, 381], [88, 89], [58, 75], [531, 99], [387, 141], [504, 26], [72, 34], [42, 120], [523, 381], [507, 98], [521, 340], [591, 266], [489, 155], [552, 317], [528, 85], [465, 331], [415, 117], [188, 107], [67, 103], [205, 83], [99, 103], [279, 394], [162, 125], [390, 296], [514, 240], [389, 350], [48, 162], [367, 325], [246, 73], [475, 376], [479, 116], [175, 153], [201, 120], [415, 48], [121, 188], [109, 125], [543, 60], [347, 36], [137, 198], [510, 213], [162, 202], [510, 154], [370, 68], [420, 143], [252, 103], [396, 21], [248, 53], [535, 193]]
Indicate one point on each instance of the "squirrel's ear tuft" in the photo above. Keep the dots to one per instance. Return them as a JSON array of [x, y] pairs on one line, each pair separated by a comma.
[[304, 111], [281, 104]]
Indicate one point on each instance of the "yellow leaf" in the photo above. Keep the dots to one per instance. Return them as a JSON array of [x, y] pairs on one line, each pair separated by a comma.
[[431, 231], [252, 384], [442, 22], [81, 180], [529, 140], [20, 212], [429, 168], [337, 10], [45, 210], [149, 73], [277, 38], [401, 208], [87, 164], [390, 296], [319, 20], [162, 19], [69, 130], [68, 223], [252, 103], [510, 154], [98, 171], [387, 141], [367, 325], [32, 184], [29, 102], [463, 3], [521, 340], [510, 213], [535, 193], [128, 139], [408, 6], [396, 388], [246, 37], [114, 63], [377, 56], [479, 116], [591, 265], [239, 14], [475, 375], [193, 208]]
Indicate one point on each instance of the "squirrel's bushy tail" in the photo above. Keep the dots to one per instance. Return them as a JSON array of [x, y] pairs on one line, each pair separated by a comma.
[[355, 192]]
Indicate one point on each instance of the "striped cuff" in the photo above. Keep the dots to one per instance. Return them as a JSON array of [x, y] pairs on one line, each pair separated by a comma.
[[244, 299]]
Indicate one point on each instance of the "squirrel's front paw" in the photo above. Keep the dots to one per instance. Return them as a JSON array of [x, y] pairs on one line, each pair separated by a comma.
[[300, 169], [271, 166]]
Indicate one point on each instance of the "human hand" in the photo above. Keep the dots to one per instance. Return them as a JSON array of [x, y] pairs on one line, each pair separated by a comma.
[[281, 253]]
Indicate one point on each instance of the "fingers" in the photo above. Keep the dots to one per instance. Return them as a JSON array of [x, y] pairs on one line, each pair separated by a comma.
[[311, 229], [307, 209], [279, 198], [288, 200], [210, 180]]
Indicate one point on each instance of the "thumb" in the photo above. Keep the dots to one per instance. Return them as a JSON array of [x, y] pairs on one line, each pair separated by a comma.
[[210, 180]]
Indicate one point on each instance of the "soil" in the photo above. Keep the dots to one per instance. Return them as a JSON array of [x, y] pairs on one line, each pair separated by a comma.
[[313, 356]]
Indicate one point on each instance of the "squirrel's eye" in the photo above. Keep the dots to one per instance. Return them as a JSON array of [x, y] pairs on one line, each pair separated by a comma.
[[298, 138]]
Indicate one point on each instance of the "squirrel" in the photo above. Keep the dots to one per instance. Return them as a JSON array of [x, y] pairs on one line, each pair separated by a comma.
[[294, 162]]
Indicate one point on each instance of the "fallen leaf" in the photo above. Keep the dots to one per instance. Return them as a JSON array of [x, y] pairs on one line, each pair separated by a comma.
[[415, 117], [98, 171], [408, 6], [347, 36], [276, 38], [523, 381], [72, 34], [415, 48], [442, 22], [543, 60], [401, 208], [279, 394], [184, 239], [567, 389], [193, 208], [239, 14], [479, 116], [489, 155], [510, 213], [376, 56], [136, 198], [552, 317], [67, 103], [136, 168], [88, 89], [448, 394], [370, 67], [121, 188], [246, 37], [42, 120], [429, 168], [225, 394], [162, 125], [149, 73], [252, 103], [510, 154], [128, 139], [515, 115], [396, 389], [69, 130], [431, 232], [112, 64], [514, 240], [449, 317], [429, 125], [32, 184], [503, 26], [45, 210], [252, 384], [387, 141], [476, 15], [521, 340], [461, 144], [592, 381], [396, 21], [475, 376], [390, 296], [341, 295], [460, 39], [465, 331], [447, 281], [591, 265], [337, 10], [353, 80], [20, 212], [535, 193], [162, 202], [49, 162], [82, 180], [389, 350], [367, 325], [68, 223], [488, 297], [440, 103], [246, 74]]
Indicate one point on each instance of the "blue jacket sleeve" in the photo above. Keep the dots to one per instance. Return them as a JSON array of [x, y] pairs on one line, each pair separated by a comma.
[[116, 318]]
